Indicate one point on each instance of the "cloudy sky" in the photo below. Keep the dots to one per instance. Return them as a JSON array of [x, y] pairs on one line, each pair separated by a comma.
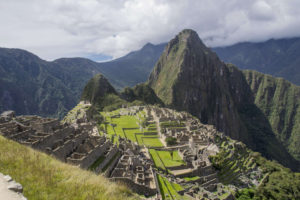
[[87, 28]]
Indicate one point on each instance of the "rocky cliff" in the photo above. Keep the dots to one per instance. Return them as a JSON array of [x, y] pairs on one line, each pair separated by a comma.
[[190, 77]]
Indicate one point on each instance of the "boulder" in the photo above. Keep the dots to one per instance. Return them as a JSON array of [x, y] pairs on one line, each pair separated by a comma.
[[16, 187]]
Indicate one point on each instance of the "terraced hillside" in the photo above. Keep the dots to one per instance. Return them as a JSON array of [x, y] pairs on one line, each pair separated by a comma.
[[156, 152], [198, 156]]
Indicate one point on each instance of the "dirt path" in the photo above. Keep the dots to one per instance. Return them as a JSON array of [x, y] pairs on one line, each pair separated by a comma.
[[155, 118], [7, 194]]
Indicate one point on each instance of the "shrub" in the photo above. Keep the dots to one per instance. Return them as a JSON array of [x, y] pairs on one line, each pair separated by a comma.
[[171, 141]]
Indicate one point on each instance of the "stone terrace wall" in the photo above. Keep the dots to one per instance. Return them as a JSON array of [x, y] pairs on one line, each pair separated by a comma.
[[112, 165], [108, 158], [137, 188], [91, 157]]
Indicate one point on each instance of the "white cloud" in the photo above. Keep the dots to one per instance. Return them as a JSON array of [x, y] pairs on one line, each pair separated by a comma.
[[64, 28]]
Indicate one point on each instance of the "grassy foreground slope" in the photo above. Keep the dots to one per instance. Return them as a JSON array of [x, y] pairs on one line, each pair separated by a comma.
[[44, 177]]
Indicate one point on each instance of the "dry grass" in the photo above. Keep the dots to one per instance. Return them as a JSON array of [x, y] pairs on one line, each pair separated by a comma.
[[44, 177]]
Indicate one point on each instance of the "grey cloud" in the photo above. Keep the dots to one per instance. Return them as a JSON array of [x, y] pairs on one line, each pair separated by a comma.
[[60, 28]]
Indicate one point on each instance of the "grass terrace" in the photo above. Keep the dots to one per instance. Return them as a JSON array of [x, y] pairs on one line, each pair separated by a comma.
[[168, 189], [163, 159], [152, 141], [127, 126], [172, 124], [191, 178]]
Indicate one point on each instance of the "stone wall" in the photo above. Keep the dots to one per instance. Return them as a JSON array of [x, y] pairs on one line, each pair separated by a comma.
[[137, 188], [156, 183], [91, 157], [112, 165], [180, 167], [46, 126], [108, 157], [201, 171], [50, 139]]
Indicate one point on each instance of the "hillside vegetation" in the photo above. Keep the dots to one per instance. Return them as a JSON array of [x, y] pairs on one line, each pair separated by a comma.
[[280, 102], [44, 177]]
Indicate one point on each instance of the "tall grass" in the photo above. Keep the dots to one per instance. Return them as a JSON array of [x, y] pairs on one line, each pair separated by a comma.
[[44, 177]]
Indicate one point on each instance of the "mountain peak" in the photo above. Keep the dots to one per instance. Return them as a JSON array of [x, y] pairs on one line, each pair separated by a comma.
[[185, 52], [189, 38], [188, 34], [96, 89], [148, 45], [190, 77]]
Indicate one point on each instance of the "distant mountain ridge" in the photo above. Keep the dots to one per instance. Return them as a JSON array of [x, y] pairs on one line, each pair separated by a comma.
[[280, 57], [30, 85], [36, 95]]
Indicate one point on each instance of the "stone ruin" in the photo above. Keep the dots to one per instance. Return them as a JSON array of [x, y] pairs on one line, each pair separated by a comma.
[[73, 144], [136, 171], [195, 143], [79, 144]]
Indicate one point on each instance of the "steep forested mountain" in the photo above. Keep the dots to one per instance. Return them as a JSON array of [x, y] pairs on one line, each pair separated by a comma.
[[190, 77], [30, 85], [280, 102]]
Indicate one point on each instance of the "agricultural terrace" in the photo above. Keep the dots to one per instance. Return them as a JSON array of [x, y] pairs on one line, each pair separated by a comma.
[[130, 127], [165, 159], [169, 190], [137, 127], [172, 124]]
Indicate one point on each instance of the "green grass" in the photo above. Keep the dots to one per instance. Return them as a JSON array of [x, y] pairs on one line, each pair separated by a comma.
[[126, 121], [177, 187], [163, 159], [76, 113], [172, 124], [151, 128], [170, 161], [111, 160], [191, 178], [130, 134], [110, 129], [167, 187], [156, 159], [127, 127], [163, 188], [97, 163], [152, 142], [119, 123], [139, 138], [45, 178]]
